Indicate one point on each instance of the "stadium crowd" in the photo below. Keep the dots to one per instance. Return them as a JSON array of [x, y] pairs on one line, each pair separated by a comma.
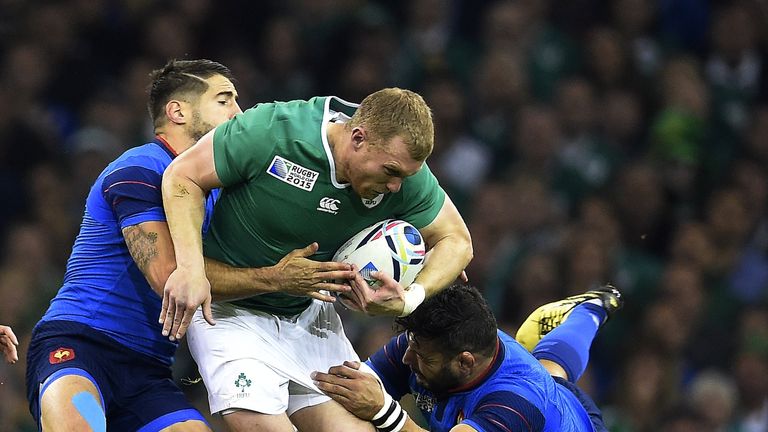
[[584, 141]]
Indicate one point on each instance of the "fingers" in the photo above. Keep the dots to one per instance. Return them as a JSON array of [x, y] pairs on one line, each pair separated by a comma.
[[383, 277], [352, 364], [344, 371], [337, 274], [182, 317], [184, 325], [359, 294], [322, 297], [332, 385], [348, 303], [463, 276], [168, 317], [164, 311], [331, 266], [305, 251], [8, 332], [334, 287], [332, 378], [207, 312], [178, 316], [8, 347], [11, 355], [189, 313]]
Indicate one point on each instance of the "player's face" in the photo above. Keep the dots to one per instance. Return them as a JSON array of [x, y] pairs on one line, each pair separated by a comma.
[[217, 105], [378, 169], [433, 370]]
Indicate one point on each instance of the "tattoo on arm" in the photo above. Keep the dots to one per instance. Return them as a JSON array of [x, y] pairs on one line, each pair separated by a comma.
[[142, 245], [181, 191]]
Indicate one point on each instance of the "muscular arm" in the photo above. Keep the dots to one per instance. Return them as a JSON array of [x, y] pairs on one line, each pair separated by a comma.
[[151, 247], [450, 252], [185, 182], [450, 249], [357, 388], [152, 250]]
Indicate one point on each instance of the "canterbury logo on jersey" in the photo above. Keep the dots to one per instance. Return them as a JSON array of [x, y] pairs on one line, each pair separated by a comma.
[[292, 173], [329, 205]]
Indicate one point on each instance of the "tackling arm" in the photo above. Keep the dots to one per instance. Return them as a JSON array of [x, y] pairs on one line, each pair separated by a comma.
[[185, 182], [450, 249], [151, 247], [357, 388]]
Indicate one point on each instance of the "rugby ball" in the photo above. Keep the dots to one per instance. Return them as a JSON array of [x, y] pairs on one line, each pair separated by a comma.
[[394, 247]]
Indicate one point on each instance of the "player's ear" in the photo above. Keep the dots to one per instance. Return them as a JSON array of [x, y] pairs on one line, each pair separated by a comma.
[[467, 361], [358, 137], [174, 111]]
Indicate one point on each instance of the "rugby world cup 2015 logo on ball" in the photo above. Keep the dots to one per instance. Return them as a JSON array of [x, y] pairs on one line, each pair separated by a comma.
[[394, 247]]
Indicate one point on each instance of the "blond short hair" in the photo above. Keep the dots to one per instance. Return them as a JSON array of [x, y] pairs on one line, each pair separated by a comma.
[[393, 112]]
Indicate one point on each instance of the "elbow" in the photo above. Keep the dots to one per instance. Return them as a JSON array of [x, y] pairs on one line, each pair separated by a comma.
[[159, 276], [469, 252]]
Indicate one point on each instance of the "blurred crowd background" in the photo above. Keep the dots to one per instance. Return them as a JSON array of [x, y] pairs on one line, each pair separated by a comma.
[[584, 141]]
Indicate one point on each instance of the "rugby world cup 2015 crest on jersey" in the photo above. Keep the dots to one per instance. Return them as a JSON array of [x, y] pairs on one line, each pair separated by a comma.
[[292, 173]]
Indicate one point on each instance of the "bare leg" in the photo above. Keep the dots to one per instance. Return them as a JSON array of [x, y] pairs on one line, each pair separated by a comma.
[[329, 417], [251, 421], [72, 402]]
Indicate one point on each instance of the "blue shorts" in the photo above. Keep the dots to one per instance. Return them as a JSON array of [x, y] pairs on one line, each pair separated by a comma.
[[137, 391], [589, 405]]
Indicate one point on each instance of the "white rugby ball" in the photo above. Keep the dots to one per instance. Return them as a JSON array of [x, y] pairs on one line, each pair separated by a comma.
[[394, 247]]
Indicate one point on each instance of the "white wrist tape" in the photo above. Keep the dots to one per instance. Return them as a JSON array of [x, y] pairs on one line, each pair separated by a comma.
[[392, 420], [391, 417], [414, 296]]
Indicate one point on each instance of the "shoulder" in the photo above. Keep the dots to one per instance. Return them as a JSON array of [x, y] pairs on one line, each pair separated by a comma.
[[506, 407], [424, 181], [150, 156], [144, 164]]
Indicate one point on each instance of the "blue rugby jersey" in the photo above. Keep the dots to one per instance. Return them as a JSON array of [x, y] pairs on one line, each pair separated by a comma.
[[515, 394], [103, 288]]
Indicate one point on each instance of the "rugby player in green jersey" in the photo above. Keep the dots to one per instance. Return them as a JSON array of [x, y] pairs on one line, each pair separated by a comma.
[[299, 178]]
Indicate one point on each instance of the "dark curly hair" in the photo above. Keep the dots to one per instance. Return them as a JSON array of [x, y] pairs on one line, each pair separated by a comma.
[[456, 319]]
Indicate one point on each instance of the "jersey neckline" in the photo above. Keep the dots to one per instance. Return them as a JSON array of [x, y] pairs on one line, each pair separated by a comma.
[[327, 115]]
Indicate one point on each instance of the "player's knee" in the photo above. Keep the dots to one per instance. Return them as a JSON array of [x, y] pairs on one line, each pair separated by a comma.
[[72, 402]]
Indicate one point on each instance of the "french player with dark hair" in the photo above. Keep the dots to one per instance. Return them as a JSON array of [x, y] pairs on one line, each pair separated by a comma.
[[98, 358], [466, 375]]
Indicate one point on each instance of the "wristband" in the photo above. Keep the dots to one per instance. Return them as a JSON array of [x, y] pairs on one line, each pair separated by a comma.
[[413, 296], [391, 417]]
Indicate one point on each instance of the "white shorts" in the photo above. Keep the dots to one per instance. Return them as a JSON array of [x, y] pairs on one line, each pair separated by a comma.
[[261, 362]]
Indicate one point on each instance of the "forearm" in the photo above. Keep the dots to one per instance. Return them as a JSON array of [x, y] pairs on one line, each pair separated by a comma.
[[411, 426], [232, 283], [184, 203], [447, 259]]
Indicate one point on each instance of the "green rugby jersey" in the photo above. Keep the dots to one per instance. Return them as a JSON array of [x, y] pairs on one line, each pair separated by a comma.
[[280, 192]]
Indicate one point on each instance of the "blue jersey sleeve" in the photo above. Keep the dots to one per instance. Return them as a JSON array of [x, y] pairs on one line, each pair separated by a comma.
[[388, 364], [133, 193], [505, 411]]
